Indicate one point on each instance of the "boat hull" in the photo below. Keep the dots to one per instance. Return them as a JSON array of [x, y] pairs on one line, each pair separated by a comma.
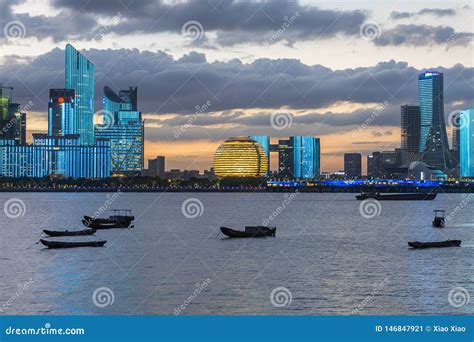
[[66, 244], [69, 233], [439, 244], [398, 197], [232, 233], [105, 223]]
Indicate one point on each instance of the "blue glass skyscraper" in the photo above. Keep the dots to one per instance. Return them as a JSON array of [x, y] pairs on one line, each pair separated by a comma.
[[79, 74], [61, 108], [264, 141], [306, 157], [123, 126], [466, 143], [434, 146]]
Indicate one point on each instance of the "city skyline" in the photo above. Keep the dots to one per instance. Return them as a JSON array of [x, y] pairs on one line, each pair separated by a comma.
[[240, 83]]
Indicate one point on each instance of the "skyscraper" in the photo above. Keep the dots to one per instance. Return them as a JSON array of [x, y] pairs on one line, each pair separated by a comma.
[[61, 108], [433, 138], [466, 146], [353, 164], [410, 128], [79, 74], [156, 167], [306, 152], [264, 141], [285, 158], [124, 127]]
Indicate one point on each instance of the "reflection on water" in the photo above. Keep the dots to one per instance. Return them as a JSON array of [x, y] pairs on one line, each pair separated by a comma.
[[328, 256]]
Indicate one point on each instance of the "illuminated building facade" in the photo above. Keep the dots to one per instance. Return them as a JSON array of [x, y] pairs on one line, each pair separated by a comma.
[[466, 146], [264, 141], [61, 108], [124, 127], [433, 138], [79, 74], [299, 157], [240, 157]]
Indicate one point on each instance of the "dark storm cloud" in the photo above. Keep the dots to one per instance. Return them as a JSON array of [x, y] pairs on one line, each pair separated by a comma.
[[60, 27], [185, 85], [422, 35], [438, 12], [233, 22]]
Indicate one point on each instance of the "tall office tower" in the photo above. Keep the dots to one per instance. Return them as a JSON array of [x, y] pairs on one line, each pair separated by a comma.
[[13, 127], [80, 77], [124, 127], [466, 144], [4, 101], [353, 164], [264, 141], [156, 167], [285, 158], [61, 106], [410, 128], [299, 157], [374, 165], [306, 151], [455, 143], [433, 138], [23, 129]]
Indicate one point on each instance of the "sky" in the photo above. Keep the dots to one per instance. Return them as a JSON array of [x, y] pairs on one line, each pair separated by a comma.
[[207, 70]]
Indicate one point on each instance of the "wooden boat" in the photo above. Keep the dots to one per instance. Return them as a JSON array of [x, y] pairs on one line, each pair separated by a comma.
[[439, 244], [121, 218], [69, 232], [397, 197], [69, 244], [249, 232], [438, 220]]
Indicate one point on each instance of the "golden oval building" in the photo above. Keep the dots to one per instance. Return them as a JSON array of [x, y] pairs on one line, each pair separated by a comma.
[[240, 157]]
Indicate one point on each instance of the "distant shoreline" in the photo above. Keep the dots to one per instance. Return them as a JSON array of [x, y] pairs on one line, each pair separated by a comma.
[[353, 190]]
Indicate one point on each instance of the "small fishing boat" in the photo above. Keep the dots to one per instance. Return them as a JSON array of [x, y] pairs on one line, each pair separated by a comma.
[[69, 232], [438, 220], [121, 218], [70, 244], [397, 197], [249, 232], [438, 244]]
